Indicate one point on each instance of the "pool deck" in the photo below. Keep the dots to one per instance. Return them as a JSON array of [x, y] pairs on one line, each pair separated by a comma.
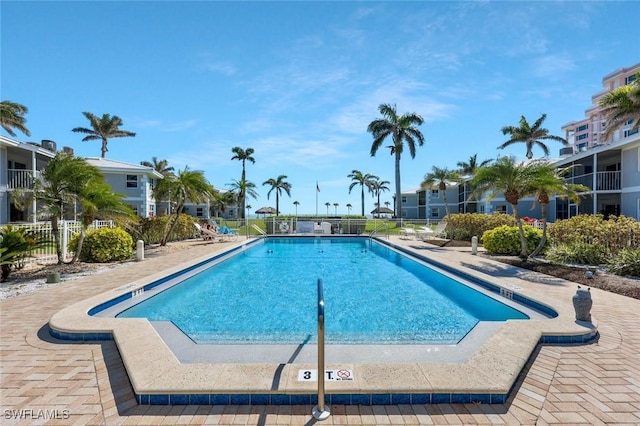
[[596, 383]]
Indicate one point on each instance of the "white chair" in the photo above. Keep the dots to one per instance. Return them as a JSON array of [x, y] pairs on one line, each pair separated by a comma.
[[408, 233]]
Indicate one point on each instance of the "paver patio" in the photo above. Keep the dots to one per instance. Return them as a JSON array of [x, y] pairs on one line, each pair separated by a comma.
[[86, 383]]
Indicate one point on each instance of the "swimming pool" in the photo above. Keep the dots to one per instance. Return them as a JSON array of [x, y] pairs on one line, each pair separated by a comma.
[[374, 294]]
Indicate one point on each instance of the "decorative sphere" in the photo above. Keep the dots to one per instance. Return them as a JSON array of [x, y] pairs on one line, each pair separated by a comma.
[[589, 275]]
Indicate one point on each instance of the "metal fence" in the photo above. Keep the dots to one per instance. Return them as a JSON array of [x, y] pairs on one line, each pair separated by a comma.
[[68, 229]]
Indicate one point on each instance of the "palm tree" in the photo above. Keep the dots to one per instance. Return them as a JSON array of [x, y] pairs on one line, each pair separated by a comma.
[[97, 200], [248, 207], [515, 181], [349, 207], [102, 128], [551, 181], [327, 204], [278, 184], [622, 105], [471, 167], [378, 186], [160, 166], [222, 199], [242, 189], [335, 205], [530, 135], [296, 203], [440, 177], [187, 185], [363, 180], [60, 184], [244, 156], [12, 117], [402, 129]]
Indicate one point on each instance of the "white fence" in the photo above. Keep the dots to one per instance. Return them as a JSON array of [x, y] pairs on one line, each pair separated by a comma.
[[68, 229]]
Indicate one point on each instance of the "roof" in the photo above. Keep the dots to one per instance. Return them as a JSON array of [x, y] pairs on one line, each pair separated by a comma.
[[108, 165]]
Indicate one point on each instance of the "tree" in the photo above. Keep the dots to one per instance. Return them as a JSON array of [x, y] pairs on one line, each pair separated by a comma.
[[97, 200], [363, 180], [244, 156], [550, 181], [440, 178], [61, 183], [103, 128], [349, 207], [471, 167], [515, 181], [222, 199], [530, 135], [278, 185], [12, 117], [242, 189], [622, 105], [327, 204], [187, 185], [335, 205], [378, 186], [401, 129], [160, 166], [296, 203]]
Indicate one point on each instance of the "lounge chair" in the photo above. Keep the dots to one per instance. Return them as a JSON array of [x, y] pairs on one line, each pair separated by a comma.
[[227, 234], [205, 233], [437, 232], [408, 233]]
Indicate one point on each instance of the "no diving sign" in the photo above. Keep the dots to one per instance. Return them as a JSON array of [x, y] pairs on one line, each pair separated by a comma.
[[329, 375]]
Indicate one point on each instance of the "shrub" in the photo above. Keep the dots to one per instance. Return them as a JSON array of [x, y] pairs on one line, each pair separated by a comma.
[[151, 230], [104, 245], [626, 262], [463, 226], [506, 239], [578, 252], [15, 245]]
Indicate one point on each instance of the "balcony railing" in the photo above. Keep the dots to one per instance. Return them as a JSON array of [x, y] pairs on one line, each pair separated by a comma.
[[20, 179], [605, 181]]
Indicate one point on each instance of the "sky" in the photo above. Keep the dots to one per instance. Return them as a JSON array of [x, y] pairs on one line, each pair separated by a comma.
[[299, 82]]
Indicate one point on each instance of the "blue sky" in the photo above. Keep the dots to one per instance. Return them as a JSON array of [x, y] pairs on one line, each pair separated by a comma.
[[300, 81]]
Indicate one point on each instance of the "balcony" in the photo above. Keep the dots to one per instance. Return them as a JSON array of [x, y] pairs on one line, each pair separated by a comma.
[[20, 179], [605, 181]]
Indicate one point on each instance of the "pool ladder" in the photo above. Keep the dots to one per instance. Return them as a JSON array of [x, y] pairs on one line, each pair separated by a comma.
[[321, 411]]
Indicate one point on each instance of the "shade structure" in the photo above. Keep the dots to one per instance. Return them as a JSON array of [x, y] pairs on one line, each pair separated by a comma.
[[382, 210], [266, 210]]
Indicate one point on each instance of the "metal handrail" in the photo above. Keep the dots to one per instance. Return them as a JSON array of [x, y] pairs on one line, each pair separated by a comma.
[[377, 228], [257, 228], [320, 411]]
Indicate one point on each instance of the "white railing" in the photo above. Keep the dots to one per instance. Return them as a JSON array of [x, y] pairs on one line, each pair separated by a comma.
[[68, 229], [608, 181], [20, 179]]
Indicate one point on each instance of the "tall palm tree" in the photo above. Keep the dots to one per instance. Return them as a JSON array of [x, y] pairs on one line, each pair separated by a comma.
[[243, 155], [440, 178], [278, 184], [530, 135], [335, 205], [469, 168], [349, 207], [12, 117], [622, 105], [516, 181], [363, 180], [401, 129], [160, 166], [296, 203], [550, 181], [187, 185], [60, 184], [378, 186], [327, 204], [242, 189], [97, 200], [103, 128]]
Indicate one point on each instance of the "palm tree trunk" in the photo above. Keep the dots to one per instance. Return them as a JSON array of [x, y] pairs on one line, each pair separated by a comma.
[[104, 147], [362, 197], [277, 204], [543, 240], [398, 196], [55, 230], [76, 255], [523, 239], [165, 237]]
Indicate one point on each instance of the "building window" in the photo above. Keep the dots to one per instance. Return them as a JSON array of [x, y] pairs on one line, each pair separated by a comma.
[[199, 212], [481, 209], [435, 212], [582, 128], [135, 209], [630, 79], [582, 147], [422, 198], [435, 193], [132, 181], [502, 208], [582, 136], [630, 132], [404, 199]]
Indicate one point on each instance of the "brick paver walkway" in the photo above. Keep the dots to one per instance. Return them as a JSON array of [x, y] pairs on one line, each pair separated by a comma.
[[86, 384]]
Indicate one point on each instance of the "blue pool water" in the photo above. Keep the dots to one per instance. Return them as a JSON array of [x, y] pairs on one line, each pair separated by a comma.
[[373, 294]]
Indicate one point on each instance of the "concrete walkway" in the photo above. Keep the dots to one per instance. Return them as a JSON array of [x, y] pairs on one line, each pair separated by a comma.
[[86, 384]]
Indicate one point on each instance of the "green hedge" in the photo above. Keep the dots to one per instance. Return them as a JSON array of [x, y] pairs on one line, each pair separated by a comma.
[[464, 226], [104, 245], [506, 239]]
